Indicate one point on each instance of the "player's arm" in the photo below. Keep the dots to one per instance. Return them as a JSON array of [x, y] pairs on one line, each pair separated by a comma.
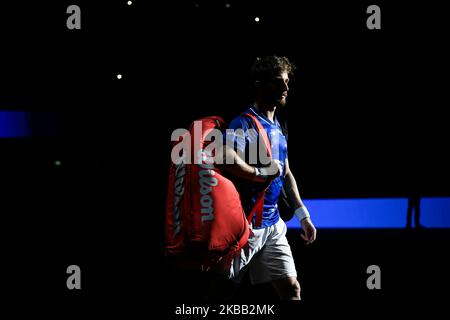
[[301, 212], [236, 166]]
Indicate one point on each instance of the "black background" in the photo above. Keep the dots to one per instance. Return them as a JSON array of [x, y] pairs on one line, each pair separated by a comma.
[[366, 117]]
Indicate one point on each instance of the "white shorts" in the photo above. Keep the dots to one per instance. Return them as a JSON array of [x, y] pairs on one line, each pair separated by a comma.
[[267, 256]]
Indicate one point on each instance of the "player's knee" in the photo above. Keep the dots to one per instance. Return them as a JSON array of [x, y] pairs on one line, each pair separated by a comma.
[[290, 289], [294, 289]]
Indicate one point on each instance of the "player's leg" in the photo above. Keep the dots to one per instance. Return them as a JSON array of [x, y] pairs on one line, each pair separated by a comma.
[[276, 264], [227, 275], [287, 288]]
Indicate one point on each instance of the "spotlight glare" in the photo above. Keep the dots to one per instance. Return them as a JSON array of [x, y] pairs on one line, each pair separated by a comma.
[[257, 19], [130, 3], [119, 76]]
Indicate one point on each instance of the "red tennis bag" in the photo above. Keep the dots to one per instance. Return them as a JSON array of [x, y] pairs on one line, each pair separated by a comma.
[[205, 221]]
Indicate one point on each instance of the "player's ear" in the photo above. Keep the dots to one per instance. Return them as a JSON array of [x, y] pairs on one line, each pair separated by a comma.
[[258, 86]]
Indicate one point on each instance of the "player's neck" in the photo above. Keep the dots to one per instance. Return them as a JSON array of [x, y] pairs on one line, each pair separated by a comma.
[[268, 111]]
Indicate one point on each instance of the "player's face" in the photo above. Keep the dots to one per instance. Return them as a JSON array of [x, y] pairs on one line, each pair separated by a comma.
[[276, 90]]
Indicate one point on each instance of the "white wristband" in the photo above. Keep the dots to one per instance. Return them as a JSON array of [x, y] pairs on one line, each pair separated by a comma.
[[302, 213]]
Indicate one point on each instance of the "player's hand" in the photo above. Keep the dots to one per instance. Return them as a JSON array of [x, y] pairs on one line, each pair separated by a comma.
[[309, 231], [270, 172]]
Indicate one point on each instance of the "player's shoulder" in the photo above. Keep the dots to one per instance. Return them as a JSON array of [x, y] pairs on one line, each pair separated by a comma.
[[240, 122]]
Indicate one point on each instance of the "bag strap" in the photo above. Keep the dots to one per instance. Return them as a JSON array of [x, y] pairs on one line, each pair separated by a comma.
[[259, 203], [261, 131]]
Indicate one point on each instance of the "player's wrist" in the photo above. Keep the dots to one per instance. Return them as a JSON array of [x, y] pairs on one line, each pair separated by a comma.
[[259, 174], [302, 214]]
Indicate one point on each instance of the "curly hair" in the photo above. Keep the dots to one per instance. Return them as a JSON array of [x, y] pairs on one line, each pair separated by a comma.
[[270, 66]]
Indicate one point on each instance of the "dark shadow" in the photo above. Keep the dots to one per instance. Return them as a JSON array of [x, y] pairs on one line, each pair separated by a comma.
[[413, 209]]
